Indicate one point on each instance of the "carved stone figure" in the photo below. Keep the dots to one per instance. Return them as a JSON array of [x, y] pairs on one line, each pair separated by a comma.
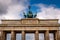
[[29, 14]]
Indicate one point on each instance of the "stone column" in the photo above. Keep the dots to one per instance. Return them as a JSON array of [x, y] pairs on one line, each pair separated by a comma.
[[2, 35], [23, 35], [47, 35], [57, 35], [13, 35], [36, 35]]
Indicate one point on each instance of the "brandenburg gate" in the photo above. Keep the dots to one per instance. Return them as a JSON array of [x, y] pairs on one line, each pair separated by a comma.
[[29, 25]]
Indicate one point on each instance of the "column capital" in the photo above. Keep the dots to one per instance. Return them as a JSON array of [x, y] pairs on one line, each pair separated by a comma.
[[36, 31]]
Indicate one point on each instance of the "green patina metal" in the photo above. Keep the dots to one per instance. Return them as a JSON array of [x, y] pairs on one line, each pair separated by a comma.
[[29, 14]]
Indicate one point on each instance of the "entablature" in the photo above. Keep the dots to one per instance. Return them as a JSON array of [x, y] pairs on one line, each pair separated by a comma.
[[28, 25], [31, 21]]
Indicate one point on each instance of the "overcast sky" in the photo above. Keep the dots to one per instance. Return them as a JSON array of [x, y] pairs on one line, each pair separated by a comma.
[[13, 9]]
